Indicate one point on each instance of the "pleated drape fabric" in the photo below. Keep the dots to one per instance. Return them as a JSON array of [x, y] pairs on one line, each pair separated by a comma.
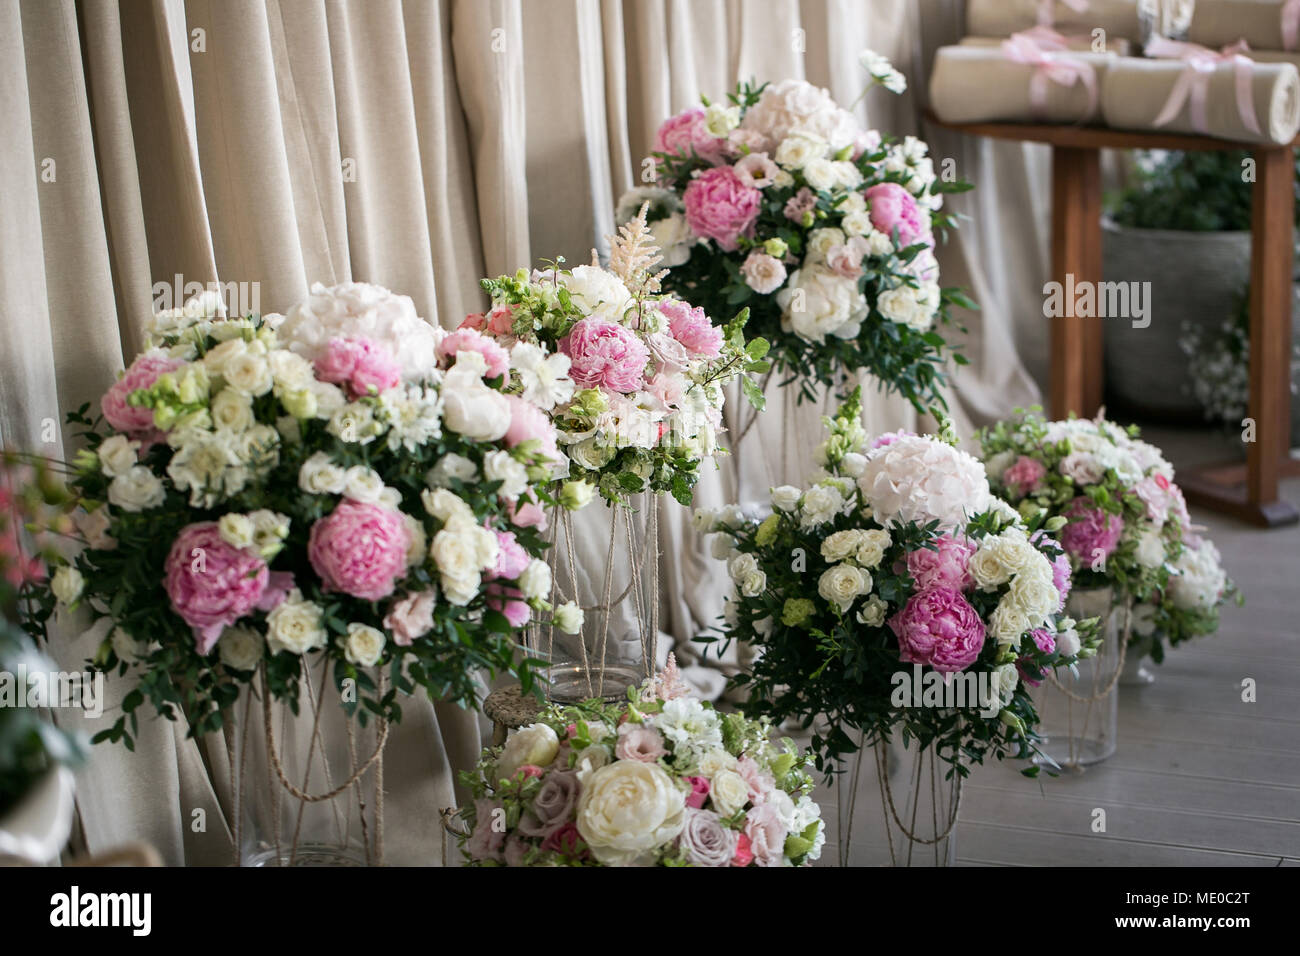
[[420, 145]]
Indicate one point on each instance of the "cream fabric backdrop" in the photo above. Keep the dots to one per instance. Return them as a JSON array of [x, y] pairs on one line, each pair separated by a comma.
[[130, 156]]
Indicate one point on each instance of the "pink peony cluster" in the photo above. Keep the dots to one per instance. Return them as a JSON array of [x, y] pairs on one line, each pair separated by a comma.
[[938, 627], [605, 355], [1091, 532], [144, 371], [467, 339], [720, 206], [212, 584], [945, 567], [691, 327], [686, 134], [1025, 476], [359, 549], [892, 207], [360, 364]]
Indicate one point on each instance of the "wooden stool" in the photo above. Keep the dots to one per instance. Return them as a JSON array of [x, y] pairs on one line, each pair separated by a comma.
[[509, 708], [1078, 369]]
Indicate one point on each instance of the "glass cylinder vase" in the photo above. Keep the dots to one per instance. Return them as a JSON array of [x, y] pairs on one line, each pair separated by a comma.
[[1079, 716]]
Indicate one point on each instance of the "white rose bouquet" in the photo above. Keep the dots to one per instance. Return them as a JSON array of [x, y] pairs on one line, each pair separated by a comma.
[[660, 780], [895, 590], [632, 379], [346, 481], [778, 201], [1124, 522]]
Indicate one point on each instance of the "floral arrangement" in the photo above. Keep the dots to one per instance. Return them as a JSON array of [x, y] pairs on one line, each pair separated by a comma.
[[893, 576], [631, 379], [659, 780], [778, 201], [346, 480], [1126, 521]]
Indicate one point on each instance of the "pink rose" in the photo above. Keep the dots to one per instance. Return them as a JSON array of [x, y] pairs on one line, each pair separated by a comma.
[[410, 617], [1024, 477], [699, 791], [756, 170], [945, 567], [766, 835], [471, 340], [690, 326], [359, 364], [605, 355], [744, 855], [508, 601], [892, 207], [498, 323], [359, 549], [638, 742], [1091, 533], [212, 584], [763, 273], [144, 371], [526, 513], [938, 627], [1061, 573], [567, 841], [800, 204], [669, 355], [685, 135], [530, 423], [511, 557], [721, 207]]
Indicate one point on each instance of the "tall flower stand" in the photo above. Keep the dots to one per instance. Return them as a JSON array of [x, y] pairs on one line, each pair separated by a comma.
[[1079, 719]]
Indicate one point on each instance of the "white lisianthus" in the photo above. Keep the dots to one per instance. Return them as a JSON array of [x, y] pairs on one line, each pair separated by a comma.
[[797, 151], [568, 617], [232, 410], [118, 455], [535, 581], [270, 528], [240, 648], [289, 370], [355, 423], [363, 645], [320, 476], [1068, 643], [326, 398], [720, 119], [1198, 580], [545, 378], [842, 584], [500, 466], [67, 584], [248, 372], [137, 489], [535, 745], [236, 530], [763, 273], [296, 625], [786, 497], [821, 174], [363, 484], [451, 466], [914, 308]]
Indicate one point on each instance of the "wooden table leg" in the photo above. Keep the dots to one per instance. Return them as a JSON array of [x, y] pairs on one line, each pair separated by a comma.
[[1077, 370], [1268, 456]]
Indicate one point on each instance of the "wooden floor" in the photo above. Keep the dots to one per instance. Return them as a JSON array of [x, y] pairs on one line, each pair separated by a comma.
[[1199, 777]]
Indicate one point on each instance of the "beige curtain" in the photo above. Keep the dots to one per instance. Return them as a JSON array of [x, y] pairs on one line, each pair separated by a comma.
[[279, 143]]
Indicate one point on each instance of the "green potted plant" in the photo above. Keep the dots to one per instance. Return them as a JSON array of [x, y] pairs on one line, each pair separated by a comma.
[[1184, 227]]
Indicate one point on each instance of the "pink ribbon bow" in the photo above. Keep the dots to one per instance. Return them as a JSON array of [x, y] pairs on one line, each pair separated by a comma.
[[1194, 83], [1047, 16], [1051, 67], [1290, 24]]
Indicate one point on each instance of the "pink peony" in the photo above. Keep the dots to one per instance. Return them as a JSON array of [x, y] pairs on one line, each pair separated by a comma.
[[638, 742], [605, 355], [699, 791], [685, 135], [690, 326], [471, 340], [530, 423], [410, 617], [766, 835], [938, 627], [144, 371], [511, 557], [1024, 477], [946, 567], [892, 207], [526, 513], [359, 549], [721, 207], [212, 584], [1091, 533], [360, 364], [800, 204]]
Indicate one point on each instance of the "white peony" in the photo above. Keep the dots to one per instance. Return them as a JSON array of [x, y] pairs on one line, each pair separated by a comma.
[[817, 302], [545, 378], [296, 625], [470, 408], [139, 489], [535, 745], [362, 310], [595, 291], [629, 809], [919, 478], [1198, 581], [118, 455]]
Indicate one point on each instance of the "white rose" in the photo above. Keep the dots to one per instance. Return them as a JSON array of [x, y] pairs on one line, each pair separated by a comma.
[[840, 545], [118, 455], [269, 531], [236, 530], [713, 761], [1035, 596], [320, 476], [720, 119], [857, 223], [786, 497], [67, 584], [240, 648], [460, 589], [871, 547], [728, 791], [216, 357], [535, 582], [821, 174], [501, 466], [249, 373], [363, 484], [295, 625], [821, 504], [472, 409], [290, 371], [568, 617], [800, 149], [842, 584], [872, 613], [821, 242], [1008, 623], [232, 410], [363, 645], [138, 489], [535, 745], [1003, 681], [451, 466], [817, 302]]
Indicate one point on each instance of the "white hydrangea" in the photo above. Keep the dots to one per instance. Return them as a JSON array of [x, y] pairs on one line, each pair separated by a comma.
[[919, 478]]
